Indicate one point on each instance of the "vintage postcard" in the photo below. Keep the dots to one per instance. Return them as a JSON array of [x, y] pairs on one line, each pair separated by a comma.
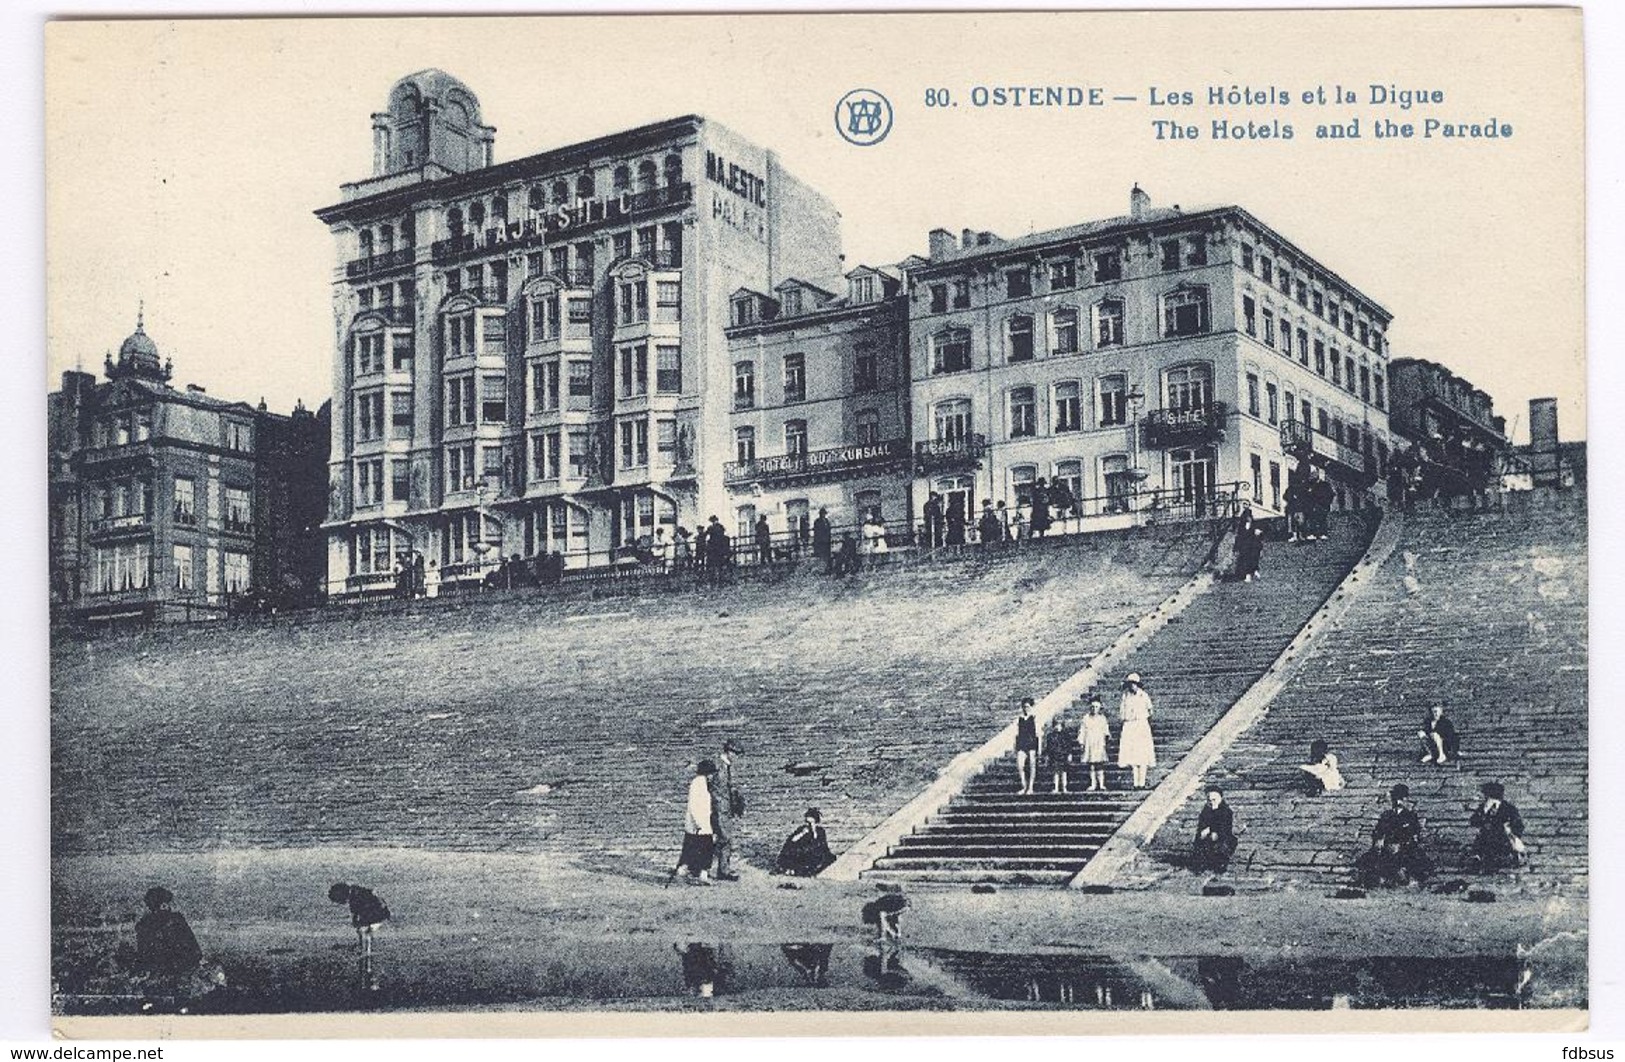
[[818, 524]]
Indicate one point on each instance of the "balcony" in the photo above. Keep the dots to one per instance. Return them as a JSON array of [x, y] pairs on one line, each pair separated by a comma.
[[395, 313], [129, 522], [817, 463], [949, 455], [659, 257], [1196, 426], [1323, 451], [237, 526], [186, 517], [400, 258]]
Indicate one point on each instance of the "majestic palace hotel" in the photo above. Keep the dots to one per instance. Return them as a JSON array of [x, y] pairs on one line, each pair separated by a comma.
[[581, 349]]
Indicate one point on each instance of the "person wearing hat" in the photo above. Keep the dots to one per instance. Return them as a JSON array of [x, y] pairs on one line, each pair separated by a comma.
[[727, 806], [1027, 746], [699, 840], [1499, 844], [1395, 856], [806, 851], [1136, 749], [1094, 730]]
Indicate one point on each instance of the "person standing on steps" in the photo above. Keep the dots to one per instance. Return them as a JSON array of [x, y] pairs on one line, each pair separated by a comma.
[[1060, 745], [1135, 748], [727, 807], [1093, 733], [1321, 494], [1027, 746]]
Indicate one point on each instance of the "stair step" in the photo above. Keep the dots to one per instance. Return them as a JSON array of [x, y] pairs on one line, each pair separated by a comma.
[[903, 862], [1048, 878], [1003, 853]]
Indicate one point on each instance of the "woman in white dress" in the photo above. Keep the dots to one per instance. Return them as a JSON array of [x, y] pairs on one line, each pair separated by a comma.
[[1136, 749], [1093, 732], [431, 580]]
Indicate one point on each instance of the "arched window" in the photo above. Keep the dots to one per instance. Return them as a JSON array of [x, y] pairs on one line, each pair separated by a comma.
[[536, 198], [1023, 412], [499, 208], [1069, 474], [1189, 387], [454, 221], [476, 215], [1063, 324], [623, 177], [1115, 482], [561, 191], [386, 237], [951, 420], [745, 444], [584, 186], [646, 176], [674, 169], [1021, 483], [1185, 312], [366, 243]]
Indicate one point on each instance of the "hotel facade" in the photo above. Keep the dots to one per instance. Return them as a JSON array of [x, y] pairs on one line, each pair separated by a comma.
[[168, 503], [1147, 360], [585, 349], [530, 355]]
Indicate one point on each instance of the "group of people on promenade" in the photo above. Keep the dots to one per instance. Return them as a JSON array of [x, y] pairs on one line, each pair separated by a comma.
[[1309, 499]]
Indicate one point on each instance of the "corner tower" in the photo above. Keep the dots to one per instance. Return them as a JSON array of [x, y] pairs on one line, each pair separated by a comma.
[[433, 119]]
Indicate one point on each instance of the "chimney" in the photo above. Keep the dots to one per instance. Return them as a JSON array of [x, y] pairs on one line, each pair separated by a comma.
[[941, 242], [1543, 449], [1138, 203], [196, 389], [967, 237]]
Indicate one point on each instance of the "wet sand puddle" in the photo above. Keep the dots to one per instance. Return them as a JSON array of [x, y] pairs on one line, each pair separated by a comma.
[[572, 974]]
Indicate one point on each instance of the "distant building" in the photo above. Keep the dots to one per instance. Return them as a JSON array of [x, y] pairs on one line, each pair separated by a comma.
[[1145, 361], [169, 503], [529, 355], [1546, 461], [1447, 423], [820, 404]]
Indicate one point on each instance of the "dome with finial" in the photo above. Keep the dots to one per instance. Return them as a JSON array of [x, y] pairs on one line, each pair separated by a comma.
[[138, 355]]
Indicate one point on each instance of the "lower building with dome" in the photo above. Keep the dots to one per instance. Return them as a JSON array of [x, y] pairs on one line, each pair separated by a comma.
[[169, 503]]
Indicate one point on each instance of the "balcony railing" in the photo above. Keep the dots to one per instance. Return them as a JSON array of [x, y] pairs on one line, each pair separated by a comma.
[[239, 527], [399, 313], [129, 521], [659, 257], [817, 462], [1184, 427], [1301, 441], [379, 263], [943, 455], [186, 517], [533, 231]]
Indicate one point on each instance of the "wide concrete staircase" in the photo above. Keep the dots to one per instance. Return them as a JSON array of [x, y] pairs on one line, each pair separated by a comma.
[[1194, 669], [1484, 613]]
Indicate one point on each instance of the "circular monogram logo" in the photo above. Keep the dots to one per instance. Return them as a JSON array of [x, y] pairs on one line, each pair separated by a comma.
[[863, 117]]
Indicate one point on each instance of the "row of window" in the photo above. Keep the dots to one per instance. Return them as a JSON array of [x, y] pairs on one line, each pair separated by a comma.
[[369, 352], [128, 566], [1341, 369], [1103, 266], [133, 497], [1281, 276], [386, 295], [135, 425], [1184, 312], [644, 176], [866, 376], [866, 424]]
